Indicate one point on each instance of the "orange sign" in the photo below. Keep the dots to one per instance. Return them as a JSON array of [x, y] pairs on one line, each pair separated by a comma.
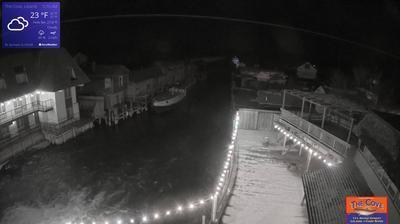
[[358, 209]]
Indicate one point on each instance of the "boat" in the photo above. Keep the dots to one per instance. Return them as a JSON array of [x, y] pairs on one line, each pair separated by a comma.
[[169, 99]]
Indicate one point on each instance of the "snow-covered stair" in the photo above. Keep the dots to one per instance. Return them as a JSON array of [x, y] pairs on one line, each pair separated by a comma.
[[266, 190]]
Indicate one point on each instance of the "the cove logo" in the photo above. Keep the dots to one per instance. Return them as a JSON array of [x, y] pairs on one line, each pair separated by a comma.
[[366, 210]]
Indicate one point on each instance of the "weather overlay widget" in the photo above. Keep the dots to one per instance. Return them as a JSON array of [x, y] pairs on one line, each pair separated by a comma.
[[31, 24]]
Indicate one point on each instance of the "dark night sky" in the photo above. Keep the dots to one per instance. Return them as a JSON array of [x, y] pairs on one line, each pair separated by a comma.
[[375, 23], [137, 41]]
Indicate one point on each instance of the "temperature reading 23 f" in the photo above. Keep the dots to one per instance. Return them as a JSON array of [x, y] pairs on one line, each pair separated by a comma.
[[36, 15]]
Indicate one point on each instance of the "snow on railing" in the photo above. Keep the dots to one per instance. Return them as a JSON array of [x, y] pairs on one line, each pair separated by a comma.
[[218, 196], [308, 148], [333, 142], [391, 189]]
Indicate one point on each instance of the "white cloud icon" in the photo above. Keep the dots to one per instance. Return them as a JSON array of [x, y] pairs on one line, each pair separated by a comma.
[[17, 24], [23, 20]]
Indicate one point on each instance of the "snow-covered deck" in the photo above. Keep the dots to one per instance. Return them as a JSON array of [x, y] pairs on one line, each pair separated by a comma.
[[269, 187]]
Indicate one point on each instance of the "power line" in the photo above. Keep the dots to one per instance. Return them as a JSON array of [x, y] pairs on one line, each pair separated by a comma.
[[230, 19]]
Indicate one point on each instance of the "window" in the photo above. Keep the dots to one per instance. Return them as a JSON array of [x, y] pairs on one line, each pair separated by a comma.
[[67, 93], [117, 99], [20, 74], [70, 113], [2, 108], [73, 75], [3, 84], [121, 81], [20, 105], [107, 83], [19, 69]]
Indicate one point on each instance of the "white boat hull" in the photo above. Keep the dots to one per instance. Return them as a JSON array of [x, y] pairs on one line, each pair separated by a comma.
[[167, 104]]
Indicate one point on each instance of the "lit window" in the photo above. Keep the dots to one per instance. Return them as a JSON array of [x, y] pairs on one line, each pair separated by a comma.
[[2, 108]]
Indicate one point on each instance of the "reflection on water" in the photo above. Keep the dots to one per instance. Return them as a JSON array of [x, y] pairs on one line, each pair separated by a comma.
[[146, 163]]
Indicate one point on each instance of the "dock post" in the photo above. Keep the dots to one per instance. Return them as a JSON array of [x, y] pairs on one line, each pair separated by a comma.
[[284, 141], [203, 219], [214, 208], [308, 162], [300, 150]]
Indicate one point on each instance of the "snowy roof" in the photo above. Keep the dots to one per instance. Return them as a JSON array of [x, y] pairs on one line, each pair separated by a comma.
[[48, 70], [254, 71], [326, 190], [340, 104]]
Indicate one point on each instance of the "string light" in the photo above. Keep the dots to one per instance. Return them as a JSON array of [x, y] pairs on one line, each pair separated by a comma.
[[179, 208], [132, 221], [144, 219], [302, 144]]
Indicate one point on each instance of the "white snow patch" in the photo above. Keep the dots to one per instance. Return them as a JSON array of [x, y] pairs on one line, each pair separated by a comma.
[[266, 190]]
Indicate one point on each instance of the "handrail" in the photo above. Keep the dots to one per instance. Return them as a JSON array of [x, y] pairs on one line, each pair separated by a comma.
[[12, 138], [387, 183], [55, 128], [333, 142], [26, 109], [222, 201]]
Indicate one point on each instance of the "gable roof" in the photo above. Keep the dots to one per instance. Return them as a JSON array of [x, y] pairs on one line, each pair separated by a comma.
[[46, 69]]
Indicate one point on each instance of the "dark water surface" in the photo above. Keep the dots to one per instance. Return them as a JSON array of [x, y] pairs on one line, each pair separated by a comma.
[[149, 163]]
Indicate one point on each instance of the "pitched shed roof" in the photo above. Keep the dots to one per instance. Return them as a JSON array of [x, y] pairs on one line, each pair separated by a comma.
[[326, 190], [47, 70]]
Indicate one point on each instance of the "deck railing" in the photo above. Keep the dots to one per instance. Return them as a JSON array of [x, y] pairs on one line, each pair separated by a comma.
[[26, 109], [221, 201], [22, 133], [62, 122], [331, 141], [390, 188]]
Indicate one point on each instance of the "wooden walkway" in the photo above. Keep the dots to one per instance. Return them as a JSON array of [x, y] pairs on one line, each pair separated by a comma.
[[267, 189]]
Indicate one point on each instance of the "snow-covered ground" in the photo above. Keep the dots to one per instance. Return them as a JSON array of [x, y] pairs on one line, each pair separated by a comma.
[[268, 187]]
